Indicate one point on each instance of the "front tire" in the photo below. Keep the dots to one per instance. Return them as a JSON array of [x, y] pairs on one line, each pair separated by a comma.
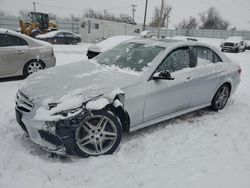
[[221, 97], [99, 134]]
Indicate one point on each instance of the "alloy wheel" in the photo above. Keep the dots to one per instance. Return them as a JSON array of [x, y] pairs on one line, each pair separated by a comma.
[[97, 135], [34, 67], [222, 97]]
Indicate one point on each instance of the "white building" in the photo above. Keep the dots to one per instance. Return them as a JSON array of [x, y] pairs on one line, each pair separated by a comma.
[[92, 29]]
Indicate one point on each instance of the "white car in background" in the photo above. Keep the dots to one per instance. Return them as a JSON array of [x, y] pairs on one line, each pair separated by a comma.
[[21, 55], [234, 44], [107, 44]]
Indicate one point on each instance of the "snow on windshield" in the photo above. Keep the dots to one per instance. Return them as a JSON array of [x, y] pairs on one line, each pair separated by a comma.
[[130, 56]]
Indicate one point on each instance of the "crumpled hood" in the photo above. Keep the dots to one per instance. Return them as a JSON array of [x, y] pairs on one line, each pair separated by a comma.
[[85, 79]]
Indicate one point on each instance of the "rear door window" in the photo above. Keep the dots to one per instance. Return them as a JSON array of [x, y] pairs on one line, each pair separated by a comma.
[[68, 34], [60, 34]]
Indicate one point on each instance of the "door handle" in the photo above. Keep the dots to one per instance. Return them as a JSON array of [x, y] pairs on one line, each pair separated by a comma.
[[20, 52], [188, 78]]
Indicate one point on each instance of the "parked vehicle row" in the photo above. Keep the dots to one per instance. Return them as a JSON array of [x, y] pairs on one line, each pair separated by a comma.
[[84, 108]]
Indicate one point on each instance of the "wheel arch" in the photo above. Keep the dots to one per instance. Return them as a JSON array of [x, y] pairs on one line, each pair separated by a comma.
[[226, 82], [122, 114], [34, 60]]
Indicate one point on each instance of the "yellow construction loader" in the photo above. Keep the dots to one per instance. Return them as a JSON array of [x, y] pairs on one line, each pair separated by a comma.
[[39, 24]]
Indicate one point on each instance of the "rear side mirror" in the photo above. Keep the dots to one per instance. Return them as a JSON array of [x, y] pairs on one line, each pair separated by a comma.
[[163, 75]]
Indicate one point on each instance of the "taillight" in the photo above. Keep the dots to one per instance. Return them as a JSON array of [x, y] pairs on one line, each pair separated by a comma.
[[52, 52], [239, 70]]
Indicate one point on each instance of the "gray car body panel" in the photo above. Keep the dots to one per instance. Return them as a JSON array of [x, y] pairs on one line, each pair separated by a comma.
[[14, 58]]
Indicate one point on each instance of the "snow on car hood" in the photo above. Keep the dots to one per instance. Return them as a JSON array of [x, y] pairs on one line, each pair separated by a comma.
[[83, 80], [110, 43]]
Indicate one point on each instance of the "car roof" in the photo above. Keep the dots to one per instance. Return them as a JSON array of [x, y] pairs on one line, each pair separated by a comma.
[[167, 43]]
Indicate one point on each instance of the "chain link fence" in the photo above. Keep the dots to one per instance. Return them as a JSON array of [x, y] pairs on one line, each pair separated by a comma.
[[200, 33], [12, 22]]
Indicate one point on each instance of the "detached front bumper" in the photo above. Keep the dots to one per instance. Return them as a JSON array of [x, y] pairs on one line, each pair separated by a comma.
[[56, 137]]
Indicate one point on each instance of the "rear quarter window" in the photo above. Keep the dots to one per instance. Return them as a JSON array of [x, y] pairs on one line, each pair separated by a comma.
[[205, 56]]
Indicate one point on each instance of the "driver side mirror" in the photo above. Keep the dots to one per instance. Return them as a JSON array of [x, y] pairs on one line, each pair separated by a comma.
[[163, 75]]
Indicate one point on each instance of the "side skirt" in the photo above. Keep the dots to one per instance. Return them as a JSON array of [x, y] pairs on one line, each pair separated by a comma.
[[167, 117]]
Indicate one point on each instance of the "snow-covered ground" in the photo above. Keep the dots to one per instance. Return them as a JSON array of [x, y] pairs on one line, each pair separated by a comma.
[[201, 149]]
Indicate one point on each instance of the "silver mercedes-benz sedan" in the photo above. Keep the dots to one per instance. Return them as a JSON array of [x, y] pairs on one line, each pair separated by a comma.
[[83, 108], [23, 55]]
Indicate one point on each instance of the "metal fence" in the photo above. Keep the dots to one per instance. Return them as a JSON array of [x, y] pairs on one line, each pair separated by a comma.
[[12, 22], [200, 33]]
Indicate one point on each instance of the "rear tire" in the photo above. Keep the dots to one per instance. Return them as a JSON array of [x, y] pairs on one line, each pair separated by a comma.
[[99, 134], [31, 67], [74, 42], [221, 97]]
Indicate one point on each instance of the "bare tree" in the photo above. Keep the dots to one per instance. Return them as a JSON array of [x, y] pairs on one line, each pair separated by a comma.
[[211, 19], [190, 23], [167, 9], [105, 15], [74, 18]]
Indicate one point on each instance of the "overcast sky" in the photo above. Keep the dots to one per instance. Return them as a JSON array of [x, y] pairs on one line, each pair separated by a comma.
[[236, 11]]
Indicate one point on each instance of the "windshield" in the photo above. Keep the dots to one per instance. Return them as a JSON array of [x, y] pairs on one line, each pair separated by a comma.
[[132, 56]]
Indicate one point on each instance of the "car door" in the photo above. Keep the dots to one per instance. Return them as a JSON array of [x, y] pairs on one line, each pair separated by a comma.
[[207, 75], [68, 37], [13, 53], [60, 38], [168, 96]]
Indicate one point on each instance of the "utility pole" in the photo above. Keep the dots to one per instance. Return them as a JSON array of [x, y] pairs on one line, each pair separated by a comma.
[[105, 14], [133, 10], [167, 21], [145, 15], [34, 5]]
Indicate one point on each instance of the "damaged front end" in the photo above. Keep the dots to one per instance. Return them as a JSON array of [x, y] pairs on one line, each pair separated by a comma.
[[55, 131]]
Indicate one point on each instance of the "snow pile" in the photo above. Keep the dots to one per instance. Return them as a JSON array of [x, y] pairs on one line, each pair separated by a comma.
[[66, 54], [90, 73], [97, 104], [45, 114]]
